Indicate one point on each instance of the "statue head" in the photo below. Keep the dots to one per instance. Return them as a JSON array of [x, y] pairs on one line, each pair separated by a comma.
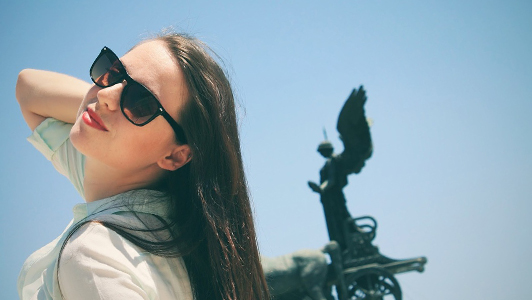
[[326, 149]]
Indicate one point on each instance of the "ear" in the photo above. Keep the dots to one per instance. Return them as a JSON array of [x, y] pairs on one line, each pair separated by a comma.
[[179, 156]]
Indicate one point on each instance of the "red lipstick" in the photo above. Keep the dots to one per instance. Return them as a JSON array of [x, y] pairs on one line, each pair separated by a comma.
[[93, 120]]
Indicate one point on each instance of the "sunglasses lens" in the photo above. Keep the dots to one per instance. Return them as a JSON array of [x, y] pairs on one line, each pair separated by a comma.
[[138, 104], [106, 70]]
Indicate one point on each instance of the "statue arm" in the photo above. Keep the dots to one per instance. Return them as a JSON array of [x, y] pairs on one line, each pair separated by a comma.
[[329, 182]]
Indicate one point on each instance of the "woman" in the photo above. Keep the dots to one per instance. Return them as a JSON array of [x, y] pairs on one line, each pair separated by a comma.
[[153, 148]]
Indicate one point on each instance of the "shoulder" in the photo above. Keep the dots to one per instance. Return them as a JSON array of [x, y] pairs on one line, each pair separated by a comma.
[[98, 261], [90, 235], [95, 243], [94, 239]]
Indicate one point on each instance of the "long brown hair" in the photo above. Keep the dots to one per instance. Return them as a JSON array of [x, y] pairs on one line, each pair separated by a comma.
[[209, 194]]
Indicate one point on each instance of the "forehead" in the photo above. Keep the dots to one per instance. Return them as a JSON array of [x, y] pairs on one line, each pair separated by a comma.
[[151, 64], [152, 57]]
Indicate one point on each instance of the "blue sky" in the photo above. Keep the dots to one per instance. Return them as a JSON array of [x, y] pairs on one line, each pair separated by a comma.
[[449, 87]]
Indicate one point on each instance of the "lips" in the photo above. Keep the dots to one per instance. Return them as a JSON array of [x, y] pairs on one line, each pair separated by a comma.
[[93, 120]]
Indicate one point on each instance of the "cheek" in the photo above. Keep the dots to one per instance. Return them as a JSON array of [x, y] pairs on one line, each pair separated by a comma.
[[137, 148], [146, 144]]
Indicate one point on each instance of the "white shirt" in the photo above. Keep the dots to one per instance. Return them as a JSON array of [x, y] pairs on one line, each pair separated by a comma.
[[98, 263]]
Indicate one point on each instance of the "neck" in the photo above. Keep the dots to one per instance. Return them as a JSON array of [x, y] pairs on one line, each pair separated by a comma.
[[102, 181]]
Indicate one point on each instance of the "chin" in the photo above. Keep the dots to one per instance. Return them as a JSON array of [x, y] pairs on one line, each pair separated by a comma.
[[75, 133], [79, 138], [92, 147]]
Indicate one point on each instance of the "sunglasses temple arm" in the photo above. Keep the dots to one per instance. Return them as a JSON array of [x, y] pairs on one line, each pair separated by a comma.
[[177, 128]]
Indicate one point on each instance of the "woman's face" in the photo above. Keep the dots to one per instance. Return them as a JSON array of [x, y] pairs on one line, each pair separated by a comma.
[[118, 143]]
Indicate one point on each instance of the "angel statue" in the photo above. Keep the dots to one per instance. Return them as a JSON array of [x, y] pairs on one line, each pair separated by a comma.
[[356, 270], [354, 133]]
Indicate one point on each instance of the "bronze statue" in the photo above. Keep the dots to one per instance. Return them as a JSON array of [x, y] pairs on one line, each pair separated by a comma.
[[354, 133], [357, 270]]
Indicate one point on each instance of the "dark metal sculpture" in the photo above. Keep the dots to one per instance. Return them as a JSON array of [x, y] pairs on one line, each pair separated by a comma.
[[354, 132], [357, 269]]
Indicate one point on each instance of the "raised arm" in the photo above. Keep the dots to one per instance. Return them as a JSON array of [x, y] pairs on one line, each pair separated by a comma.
[[44, 94]]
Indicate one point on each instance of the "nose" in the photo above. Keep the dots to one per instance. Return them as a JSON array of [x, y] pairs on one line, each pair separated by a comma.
[[110, 96]]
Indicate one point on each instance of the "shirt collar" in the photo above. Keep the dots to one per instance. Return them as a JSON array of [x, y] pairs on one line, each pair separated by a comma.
[[141, 201]]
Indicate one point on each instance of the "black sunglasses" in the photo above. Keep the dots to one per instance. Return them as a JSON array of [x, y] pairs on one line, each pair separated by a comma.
[[137, 103]]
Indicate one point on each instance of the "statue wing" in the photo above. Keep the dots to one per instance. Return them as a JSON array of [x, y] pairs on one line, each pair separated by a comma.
[[354, 132]]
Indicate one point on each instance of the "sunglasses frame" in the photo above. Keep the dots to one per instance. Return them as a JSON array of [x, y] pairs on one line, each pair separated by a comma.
[[180, 133]]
